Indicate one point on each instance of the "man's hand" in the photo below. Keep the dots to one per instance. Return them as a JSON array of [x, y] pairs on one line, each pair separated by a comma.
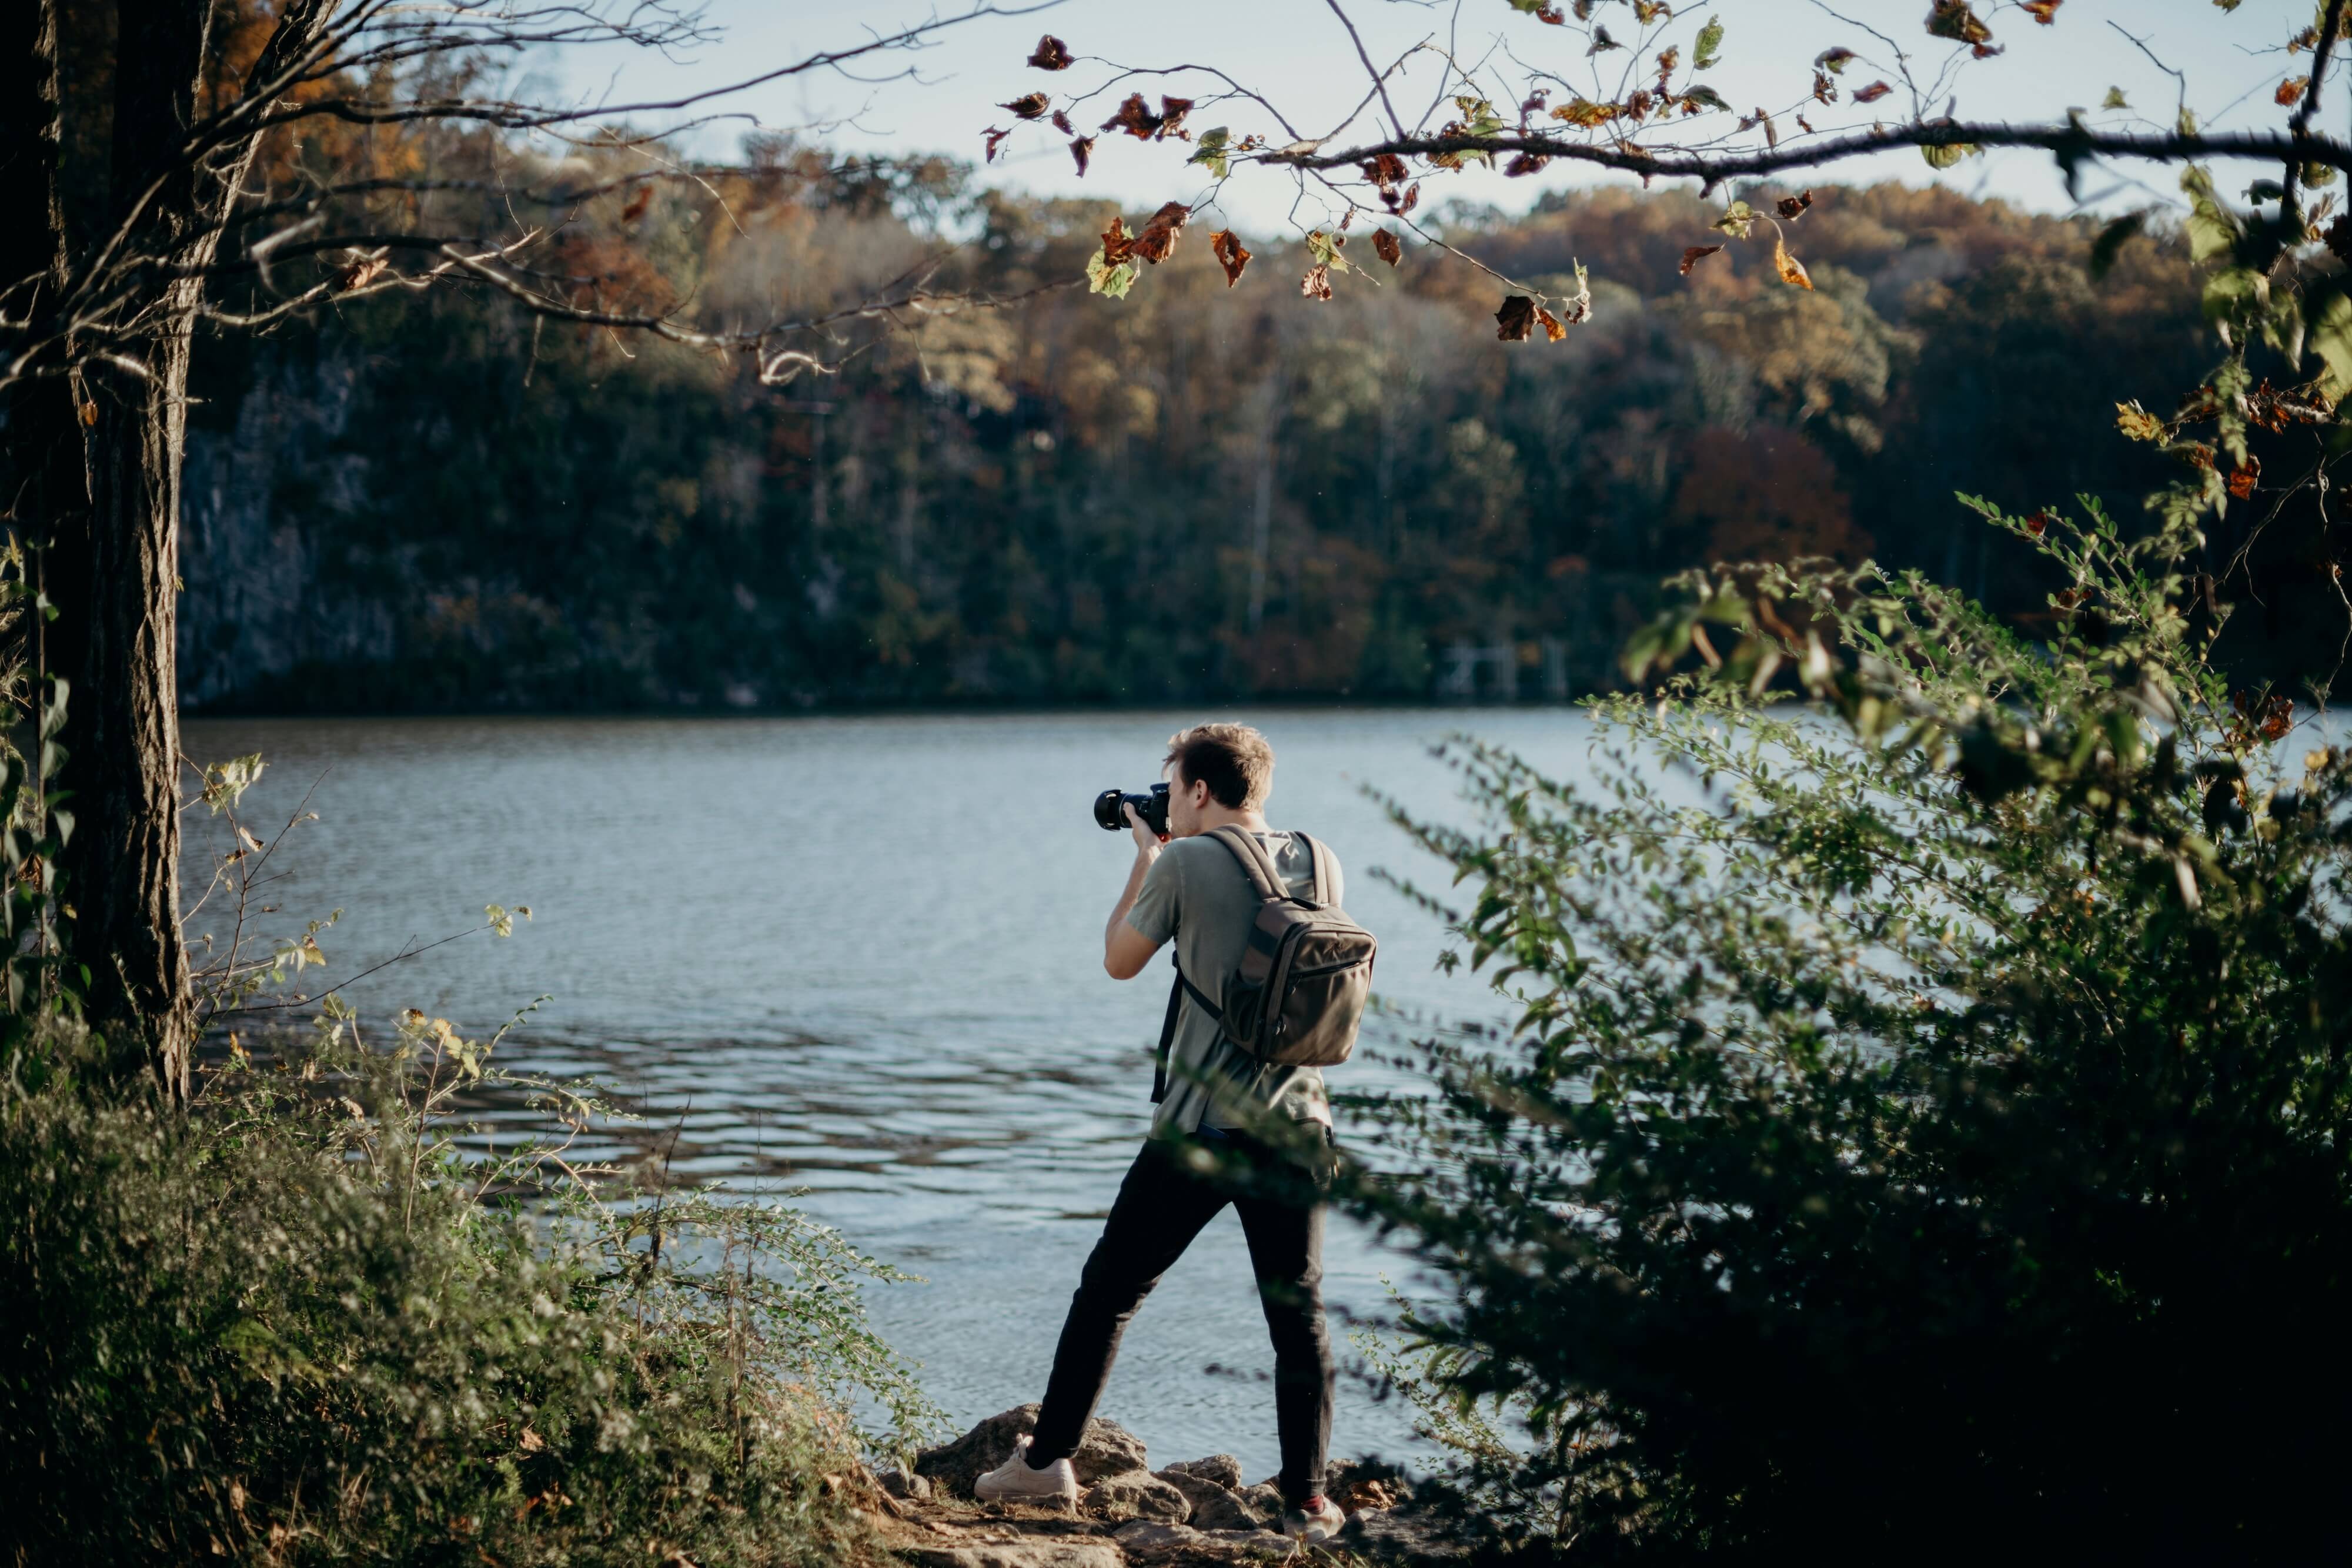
[[1125, 949], [1146, 841]]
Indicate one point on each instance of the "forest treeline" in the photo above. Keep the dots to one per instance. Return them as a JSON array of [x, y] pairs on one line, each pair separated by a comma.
[[437, 502]]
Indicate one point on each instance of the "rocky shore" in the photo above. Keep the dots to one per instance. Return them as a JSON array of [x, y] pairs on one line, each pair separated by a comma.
[[1200, 1511]]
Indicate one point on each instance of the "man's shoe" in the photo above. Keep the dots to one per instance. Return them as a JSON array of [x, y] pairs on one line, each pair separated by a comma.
[[1015, 1482], [1315, 1522]]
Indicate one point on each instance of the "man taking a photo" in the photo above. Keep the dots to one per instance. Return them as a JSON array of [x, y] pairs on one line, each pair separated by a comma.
[[1229, 1128]]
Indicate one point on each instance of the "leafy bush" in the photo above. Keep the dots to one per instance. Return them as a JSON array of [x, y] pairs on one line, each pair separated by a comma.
[[299, 1324], [1926, 1129]]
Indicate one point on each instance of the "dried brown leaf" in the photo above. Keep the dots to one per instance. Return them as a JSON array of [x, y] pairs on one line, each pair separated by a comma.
[[1516, 320], [1696, 254], [1553, 330], [1135, 117], [1117, 244], [1795, 207], [1158, 240], [1082, 149], [1227, 246], [1387, 246], [1317, 284], [994, 138], [1028, 106], [1790, 269], [1053, 55], [2043, 11], [2290, 91], [1872, 93]]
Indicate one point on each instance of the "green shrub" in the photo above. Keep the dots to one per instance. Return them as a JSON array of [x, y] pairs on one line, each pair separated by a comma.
[[1927, 1130], [298, 1324]]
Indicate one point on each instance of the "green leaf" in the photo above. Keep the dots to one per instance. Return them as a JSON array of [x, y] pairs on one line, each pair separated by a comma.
[[1710, 39], [1708, 96], [1737, 220], [2114, 100], [1946, 156], [2111, 240], [1212, 153], [1103, 278]]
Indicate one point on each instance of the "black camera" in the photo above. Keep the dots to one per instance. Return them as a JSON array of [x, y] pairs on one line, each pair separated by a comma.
[[1152, 808]]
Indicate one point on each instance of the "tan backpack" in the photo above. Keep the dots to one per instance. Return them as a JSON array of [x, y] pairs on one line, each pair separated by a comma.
[[1299, 994]]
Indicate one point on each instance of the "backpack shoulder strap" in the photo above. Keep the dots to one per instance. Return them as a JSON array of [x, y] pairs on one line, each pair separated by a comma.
[[1320, 858], [1257, 865]]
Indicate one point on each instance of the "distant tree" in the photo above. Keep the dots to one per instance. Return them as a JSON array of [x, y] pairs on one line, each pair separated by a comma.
[[173, 163]]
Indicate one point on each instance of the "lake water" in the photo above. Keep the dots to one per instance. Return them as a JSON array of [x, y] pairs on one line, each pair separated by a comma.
[[863, 957]]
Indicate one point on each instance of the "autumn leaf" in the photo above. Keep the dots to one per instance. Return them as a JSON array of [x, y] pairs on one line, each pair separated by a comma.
[[1696, 254], [2339, 238], [1385, 171], [1833, 61], [1524, 164], [87, 414], [1158, 240], [1062, 124], [2043, 11], [2290, 91], [1955, 20], [1553, 330], [1082, 149], [1135, 117], [1325, 248], [2038, 523], [1794, 207], [2244, 477], [1227, 246], [1317, 284], [1872, 93], [1737, 220], [1668, 58], [1110, 278], [1586, 113], [2137, 423], [1822, 91], [1601, 41], [360, 271], [1648, 11], [1118, 244], [1053, 55], [1791, 270], [1213, 152], [1028, 106], [1387, 246], [1516, 319], [995, 139], [1709, 40], [637, 204], [1172, 112], [1412, 199]]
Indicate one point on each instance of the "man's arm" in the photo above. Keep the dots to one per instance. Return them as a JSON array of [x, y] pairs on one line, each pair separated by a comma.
[[1125, 949]]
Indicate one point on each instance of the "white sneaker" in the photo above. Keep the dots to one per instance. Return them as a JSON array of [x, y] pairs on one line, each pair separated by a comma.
[[1315, 1523], [1015, 1482]]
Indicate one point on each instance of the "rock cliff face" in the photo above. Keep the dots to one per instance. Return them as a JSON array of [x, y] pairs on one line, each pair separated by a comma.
[[1187, 1515], [258, 495]]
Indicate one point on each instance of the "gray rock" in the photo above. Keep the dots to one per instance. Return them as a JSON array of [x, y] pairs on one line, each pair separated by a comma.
[[1107, 1450], [1155, 1535], [1135, 1495], [1040, 1553], [1392, 1537], [1215, 1507], [1264, 1501], [1222, 1469], [901, 1482]]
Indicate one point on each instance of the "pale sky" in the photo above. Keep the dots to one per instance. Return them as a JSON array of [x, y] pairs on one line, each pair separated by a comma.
[[1297, 55]]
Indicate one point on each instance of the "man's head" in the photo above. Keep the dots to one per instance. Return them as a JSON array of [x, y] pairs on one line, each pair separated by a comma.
[[1216, 772]]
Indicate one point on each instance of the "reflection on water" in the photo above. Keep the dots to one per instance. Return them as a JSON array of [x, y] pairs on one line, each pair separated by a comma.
[[862, 957]]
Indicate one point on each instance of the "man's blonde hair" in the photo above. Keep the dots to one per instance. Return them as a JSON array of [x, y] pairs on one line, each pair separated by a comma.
[[1233, 759]]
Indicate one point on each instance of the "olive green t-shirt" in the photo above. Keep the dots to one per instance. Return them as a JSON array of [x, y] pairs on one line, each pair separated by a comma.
[[1197, 892]]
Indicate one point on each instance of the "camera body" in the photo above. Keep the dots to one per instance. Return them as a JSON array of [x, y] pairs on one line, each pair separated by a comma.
[[1151, 807]]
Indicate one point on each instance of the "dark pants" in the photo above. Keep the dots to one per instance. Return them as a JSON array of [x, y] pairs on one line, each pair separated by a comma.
[[1161, 1206]]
